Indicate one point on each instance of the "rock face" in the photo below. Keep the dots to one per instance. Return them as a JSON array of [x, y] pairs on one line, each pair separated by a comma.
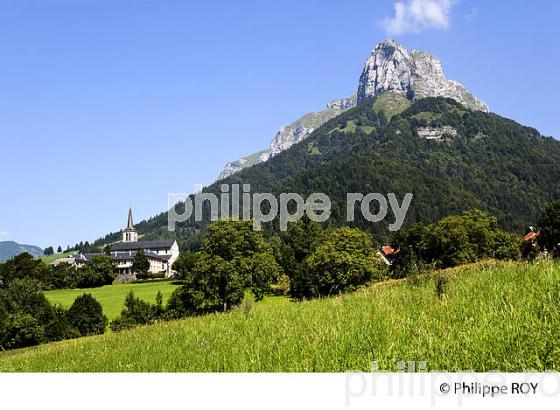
[[389, 68], [285, 138], [233, 167], [417, 74]]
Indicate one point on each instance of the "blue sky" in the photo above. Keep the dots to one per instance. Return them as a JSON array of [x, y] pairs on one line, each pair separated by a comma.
[[106, 104]]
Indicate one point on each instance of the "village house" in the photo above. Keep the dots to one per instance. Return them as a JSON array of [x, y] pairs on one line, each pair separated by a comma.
[[387, 254], [160, 253]]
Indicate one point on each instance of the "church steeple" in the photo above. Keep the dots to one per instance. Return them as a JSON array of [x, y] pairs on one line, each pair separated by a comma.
[[130, 223], [130, 234]]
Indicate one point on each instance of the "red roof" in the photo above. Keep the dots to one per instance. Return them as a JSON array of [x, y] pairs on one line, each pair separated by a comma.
[[388, 251], [531, 235]]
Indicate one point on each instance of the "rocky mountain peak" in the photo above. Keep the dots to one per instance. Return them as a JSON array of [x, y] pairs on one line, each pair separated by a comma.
[[417, 74], [390, 67]]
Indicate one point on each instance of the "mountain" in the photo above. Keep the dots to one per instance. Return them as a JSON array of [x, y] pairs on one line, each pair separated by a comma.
[[451, 157], [290, 135], [417, 74], [10, 249], [390, 67], [450, 153]]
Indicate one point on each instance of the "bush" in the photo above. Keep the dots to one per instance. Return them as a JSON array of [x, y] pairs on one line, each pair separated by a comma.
[[59, 326], [142, 277], [138, 312], [104, 266], [87, 277], [86, 315], [21, 330], [180, 304], [506, 246], [441, 285], [282, 286], [530, 250], [61, 276], [122, 323], [27, 318]]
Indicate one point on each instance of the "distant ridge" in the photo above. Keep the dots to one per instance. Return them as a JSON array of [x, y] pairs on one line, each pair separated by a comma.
[[9, 249]]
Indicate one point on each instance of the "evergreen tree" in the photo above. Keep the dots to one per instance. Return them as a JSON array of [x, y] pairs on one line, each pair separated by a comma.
[[141, 265], [549, 225], [86, 315]]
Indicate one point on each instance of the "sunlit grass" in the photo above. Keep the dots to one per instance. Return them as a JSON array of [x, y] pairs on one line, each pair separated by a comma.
[[491, 316], [112, 297]]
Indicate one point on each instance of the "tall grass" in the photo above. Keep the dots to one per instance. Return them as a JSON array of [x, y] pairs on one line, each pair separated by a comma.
[[488, 316]]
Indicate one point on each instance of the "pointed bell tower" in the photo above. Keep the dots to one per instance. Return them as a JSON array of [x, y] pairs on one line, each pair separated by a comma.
[[130, 234]]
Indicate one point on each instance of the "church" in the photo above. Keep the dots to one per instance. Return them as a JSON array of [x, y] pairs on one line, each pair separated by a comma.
[[161, 253]]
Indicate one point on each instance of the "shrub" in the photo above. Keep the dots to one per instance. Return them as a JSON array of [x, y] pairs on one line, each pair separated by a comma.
[[61, 276], [282, 286], [87, 277], [506, 246], [121, 323], [441, 285], [530, 250], [149, 276], [86, 315], [21, 330], [59, 326], [105, 267], [138, 312], [27, 318], [180, 303], [97, 272]]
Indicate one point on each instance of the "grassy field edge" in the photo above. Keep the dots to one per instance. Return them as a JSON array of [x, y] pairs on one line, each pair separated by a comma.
[[489, 316]]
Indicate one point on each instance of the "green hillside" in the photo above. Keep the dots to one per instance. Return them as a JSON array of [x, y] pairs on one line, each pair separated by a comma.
[[493, 164], [51, 258], [482, 319]]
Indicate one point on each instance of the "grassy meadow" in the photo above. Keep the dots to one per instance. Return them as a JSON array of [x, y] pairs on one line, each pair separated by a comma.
[[482, 317], [112, 297], [51, 258]]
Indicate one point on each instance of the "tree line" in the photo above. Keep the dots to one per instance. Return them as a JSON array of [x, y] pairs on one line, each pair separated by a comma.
[[306, 261], [309, 261]]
